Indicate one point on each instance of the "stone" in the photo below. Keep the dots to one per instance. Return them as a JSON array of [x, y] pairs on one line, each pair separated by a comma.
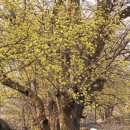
[[4, 125]]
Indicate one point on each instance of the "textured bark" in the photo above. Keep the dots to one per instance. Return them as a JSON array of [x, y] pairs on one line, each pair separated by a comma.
[[53, 115], [69, 112], [71, 116]]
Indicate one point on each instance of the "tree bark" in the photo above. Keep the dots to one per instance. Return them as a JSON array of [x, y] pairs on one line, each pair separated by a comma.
[[53, 115], [71, 116], [69, 112]]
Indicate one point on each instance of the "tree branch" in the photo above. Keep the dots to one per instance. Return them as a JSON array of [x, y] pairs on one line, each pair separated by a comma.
[[36, 101], [16, 86], [125, 13]]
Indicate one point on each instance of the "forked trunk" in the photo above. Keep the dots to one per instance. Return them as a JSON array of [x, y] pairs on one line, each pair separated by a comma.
[[53, 115], [71, 123], [71, 116]]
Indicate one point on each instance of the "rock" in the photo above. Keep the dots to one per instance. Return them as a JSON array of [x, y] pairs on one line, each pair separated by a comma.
[[93, 129], [4, 125]]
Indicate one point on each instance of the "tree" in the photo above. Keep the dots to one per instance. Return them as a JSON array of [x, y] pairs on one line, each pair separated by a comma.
[[56, 55]]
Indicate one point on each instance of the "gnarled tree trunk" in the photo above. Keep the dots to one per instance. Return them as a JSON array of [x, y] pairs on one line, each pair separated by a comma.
[[71, 115], [69, 112], [53, 115]]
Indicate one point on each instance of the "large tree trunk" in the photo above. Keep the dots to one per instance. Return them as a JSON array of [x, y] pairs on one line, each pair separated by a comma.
[[53, 115], [71, 115], [66, 118], [69, 112]]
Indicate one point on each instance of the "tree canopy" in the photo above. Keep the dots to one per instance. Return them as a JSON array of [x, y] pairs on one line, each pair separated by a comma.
[[65, 54]]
